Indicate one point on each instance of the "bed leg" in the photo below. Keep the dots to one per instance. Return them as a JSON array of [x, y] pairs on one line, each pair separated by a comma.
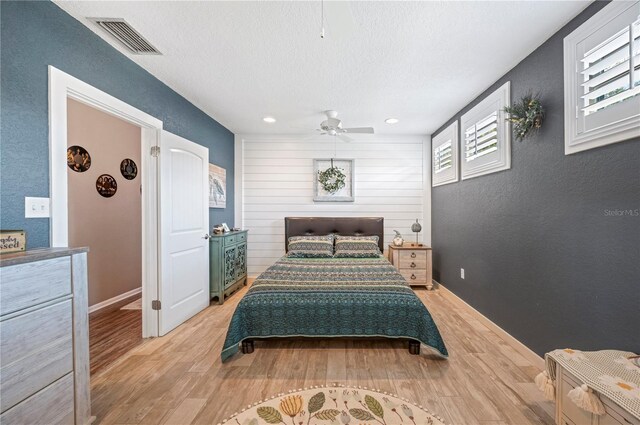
[[247, 346], [414, 347]]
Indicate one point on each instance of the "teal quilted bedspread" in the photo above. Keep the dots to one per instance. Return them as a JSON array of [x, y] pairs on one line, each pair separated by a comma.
[[331, 297]]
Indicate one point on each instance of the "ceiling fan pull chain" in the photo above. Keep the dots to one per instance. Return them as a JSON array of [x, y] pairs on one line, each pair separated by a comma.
[[322, 19]]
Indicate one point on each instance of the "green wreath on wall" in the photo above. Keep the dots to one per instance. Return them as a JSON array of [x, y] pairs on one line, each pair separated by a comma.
[[526, 116], [332, 179]]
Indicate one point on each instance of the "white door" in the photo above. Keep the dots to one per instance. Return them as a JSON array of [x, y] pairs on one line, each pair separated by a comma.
[[184, 222]]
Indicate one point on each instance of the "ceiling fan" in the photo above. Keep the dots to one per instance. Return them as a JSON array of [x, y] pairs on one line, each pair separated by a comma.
[[332, 126]]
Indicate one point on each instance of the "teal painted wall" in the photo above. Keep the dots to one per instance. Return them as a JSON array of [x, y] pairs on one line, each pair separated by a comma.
[[35, 34]]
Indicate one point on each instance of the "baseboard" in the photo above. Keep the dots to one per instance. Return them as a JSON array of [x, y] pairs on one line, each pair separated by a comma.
[[106, 303], [522, 349]]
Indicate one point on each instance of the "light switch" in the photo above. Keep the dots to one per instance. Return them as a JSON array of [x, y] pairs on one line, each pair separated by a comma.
[[36, 207]]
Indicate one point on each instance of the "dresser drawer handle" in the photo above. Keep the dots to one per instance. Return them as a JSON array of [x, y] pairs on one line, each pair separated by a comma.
[[413, 255], [413, 265], [413, 276]]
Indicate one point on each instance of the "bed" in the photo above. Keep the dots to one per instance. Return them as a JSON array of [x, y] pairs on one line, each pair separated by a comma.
[[332, 297]]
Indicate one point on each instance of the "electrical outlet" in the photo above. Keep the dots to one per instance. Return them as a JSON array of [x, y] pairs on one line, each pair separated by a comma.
[[36, 207], [462, 273]]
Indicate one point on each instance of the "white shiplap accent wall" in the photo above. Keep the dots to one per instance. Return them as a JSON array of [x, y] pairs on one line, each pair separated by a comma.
[[275, 180]]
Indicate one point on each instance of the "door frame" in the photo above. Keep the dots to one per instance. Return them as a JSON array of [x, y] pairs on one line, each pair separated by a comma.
[[61, 87]]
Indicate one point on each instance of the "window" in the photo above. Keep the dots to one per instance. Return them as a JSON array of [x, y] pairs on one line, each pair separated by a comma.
[[481, 138], [444, 149], [602, 78], [486, 135]]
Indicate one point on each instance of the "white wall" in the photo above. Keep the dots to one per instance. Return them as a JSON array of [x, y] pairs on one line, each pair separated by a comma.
[[274, 179]]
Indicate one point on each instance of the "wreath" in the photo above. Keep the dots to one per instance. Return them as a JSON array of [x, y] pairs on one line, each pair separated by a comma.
[[332, 179], [526, 116]]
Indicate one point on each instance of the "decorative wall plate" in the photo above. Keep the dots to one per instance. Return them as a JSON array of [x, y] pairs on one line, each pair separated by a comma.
[[129, 169], [106, 185], [78, 159]]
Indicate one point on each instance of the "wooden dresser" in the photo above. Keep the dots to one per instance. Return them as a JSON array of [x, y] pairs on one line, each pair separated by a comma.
[[44, 337], [227, 263], [413, 262]]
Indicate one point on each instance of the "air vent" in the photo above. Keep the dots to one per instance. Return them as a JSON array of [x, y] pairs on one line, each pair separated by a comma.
[[125, 34]]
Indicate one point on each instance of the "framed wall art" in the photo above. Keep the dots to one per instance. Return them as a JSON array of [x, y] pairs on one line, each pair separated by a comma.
[[333, 180], [217, 187]]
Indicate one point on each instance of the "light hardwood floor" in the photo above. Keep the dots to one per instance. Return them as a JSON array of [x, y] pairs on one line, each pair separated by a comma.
[[111, 335], [179, 379]]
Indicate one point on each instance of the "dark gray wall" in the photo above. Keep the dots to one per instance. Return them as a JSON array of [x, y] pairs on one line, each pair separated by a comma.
[[35, 34], [542, 257]]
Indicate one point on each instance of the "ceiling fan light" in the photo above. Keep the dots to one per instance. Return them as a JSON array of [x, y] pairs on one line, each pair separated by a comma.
[[392, 121], [269, 120]]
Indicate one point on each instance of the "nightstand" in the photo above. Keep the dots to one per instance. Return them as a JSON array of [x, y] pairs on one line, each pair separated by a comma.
[[413, 262]]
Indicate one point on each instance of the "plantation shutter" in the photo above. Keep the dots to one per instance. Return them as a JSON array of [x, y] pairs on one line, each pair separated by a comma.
[[481, 138], [486, 135], [611, 70], [443, 157], [602, 78]]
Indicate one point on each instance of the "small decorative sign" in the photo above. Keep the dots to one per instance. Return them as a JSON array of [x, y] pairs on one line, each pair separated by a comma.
[[129, 169], [12, 241], [78, 159], [106, 185]]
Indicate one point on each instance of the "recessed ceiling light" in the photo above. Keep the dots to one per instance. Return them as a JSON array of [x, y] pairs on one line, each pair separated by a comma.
[[392, 120], [270, 120]]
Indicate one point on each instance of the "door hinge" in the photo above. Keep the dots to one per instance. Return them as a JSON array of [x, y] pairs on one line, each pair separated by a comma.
[[155, 151], [156, 305]]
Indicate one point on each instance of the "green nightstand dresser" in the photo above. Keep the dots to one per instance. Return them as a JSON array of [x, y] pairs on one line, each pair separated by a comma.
[[227, 263]]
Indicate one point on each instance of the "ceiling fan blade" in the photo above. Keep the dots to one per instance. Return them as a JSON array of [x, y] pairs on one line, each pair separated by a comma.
[[362, 130], [344, 138]]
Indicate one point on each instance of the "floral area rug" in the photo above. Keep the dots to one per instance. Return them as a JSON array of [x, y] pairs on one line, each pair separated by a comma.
[[334, 406]]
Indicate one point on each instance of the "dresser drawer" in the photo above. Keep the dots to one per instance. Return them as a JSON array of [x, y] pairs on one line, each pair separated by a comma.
[[413, 259], [242, 237], [615, 414], [35, 350], [25, 285], [52, 405], [414, 277], [609, 419], [569, 408], [230, 240]]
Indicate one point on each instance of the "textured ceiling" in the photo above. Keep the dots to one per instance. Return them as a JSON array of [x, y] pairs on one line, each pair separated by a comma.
[[419, 62]]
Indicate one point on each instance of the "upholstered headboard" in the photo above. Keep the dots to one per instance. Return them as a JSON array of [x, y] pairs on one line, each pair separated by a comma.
[[343, 226]]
